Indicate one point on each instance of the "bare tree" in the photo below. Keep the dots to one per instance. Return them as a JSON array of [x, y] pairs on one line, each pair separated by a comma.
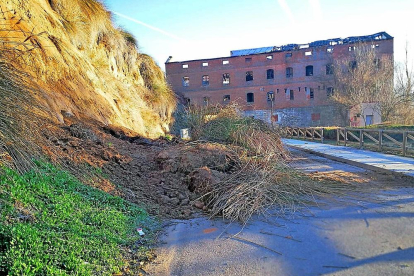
[[365, 77], [404, 88]]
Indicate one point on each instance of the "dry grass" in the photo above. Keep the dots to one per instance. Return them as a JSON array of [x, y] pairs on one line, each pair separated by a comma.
[[261, 178], [85, 65]]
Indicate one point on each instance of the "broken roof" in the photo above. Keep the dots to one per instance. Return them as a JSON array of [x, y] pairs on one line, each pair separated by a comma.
[[327, 42]]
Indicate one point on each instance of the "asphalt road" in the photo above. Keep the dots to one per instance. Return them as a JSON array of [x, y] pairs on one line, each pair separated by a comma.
[[350, 237]]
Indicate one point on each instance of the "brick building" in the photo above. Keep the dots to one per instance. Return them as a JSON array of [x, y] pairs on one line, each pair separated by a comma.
[[299, 78]]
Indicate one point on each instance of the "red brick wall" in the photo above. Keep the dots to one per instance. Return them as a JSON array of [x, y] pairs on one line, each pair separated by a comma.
[[238, 87]]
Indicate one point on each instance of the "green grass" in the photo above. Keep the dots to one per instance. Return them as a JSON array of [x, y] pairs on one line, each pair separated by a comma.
[[51, 224]]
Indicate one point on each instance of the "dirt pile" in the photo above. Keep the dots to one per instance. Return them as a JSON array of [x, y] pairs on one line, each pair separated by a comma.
[[167, 176]]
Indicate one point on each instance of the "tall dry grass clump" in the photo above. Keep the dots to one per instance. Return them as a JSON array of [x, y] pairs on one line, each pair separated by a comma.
[[261, 178], [85, 65]]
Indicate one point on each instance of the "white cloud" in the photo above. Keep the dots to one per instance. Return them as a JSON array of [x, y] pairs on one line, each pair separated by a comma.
[[316, 9], [148, 26], [286, 10]]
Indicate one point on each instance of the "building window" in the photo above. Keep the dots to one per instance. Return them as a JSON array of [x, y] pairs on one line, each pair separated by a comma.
[[329, 69], [185, 66], [352, 65], [226, 79], [206, 101], [329, 50], [270, 96], [289, 72], [288, 55], [249, 75], [311, 93], [308, 53], [299, 88], [292, 95], [226, 98], [269, 57], [309, 70], [206, 80], [205, 64], [225, 62], [270, 74], [248, 59], [277, 91], [374, 46], [186, 81], [351, 48], [329, 92], [187, 101], [250, 98], [377, 63]]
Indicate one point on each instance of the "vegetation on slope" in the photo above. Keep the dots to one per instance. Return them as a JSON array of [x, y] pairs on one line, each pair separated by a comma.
[[51, 224], [78, 63]]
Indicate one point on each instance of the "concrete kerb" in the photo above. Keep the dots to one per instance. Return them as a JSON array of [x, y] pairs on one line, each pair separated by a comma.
[[353, 163]]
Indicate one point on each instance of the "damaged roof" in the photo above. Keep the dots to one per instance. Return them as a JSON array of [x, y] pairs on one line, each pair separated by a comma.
[[327, 42]]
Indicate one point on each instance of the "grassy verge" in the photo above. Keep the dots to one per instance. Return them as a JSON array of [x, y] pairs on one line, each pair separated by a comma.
[[51, 224]]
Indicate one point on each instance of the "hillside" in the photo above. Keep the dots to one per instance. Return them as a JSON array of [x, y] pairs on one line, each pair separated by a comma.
[[73, 61]]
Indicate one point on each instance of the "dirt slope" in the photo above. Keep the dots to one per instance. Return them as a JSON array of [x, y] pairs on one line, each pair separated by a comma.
[[75, 61]]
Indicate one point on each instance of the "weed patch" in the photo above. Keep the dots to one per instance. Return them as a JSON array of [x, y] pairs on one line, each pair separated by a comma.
[[51, 224]]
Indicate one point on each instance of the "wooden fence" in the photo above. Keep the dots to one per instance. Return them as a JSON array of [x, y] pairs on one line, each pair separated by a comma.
[[378, 138]]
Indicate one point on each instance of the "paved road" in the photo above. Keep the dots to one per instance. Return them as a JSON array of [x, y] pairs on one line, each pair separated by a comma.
[[356, 238], [368, 159]]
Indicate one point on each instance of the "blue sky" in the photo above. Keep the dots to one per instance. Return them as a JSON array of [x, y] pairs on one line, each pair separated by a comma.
[[189, 29]]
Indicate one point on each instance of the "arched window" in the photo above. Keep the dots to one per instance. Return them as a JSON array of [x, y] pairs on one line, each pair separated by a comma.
[[186, 81], [270, 74], [329, 69], [249, 75]]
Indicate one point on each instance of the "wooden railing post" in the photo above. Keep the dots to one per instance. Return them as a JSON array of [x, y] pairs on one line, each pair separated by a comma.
[[380, 139], [361, 139], [404, 143], [337, 136], [313, 134], [346, 136], [322, 137]]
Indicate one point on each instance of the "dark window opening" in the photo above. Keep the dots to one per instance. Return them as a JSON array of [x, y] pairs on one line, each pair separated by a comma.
[[277, 91], [249, 75], [329, 92], [206, 100], [250, 97], [226, 79], [352, 65], [206, 80], [226, 98], [292, 95], [187, 101], [270, 74], [377, 63], [186, 81], [319, 88], [299, 89], [288, 55], [329, 69], [289, 72], [248, 59], [309, 70], [311, 93]]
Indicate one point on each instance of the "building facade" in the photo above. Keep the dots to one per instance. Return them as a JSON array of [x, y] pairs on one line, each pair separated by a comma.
[[289, 84]]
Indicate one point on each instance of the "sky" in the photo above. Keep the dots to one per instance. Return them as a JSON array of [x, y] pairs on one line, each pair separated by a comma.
[[191, 29]]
